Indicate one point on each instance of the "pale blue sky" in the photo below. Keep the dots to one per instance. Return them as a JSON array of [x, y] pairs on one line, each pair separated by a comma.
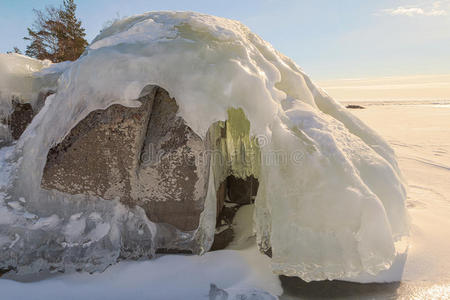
[[329, 39]]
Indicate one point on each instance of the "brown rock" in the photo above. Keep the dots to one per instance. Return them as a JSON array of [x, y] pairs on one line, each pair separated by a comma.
[[99, 155], [21, 116], [144, 156], [355, 106], [173, 174]]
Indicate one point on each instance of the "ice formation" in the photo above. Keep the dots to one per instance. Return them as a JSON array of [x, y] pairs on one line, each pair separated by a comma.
[[331, 202], [18, 80]]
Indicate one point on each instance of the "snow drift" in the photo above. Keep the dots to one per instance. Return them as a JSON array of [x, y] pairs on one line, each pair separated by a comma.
[[331, 208]]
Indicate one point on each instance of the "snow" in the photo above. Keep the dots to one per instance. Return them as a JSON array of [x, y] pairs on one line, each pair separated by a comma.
[[167, 277], [235, 272], [22, 81], [332, 209], [16, 79]]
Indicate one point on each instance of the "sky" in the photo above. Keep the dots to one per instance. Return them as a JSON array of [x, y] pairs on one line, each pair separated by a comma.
[[350, 43]]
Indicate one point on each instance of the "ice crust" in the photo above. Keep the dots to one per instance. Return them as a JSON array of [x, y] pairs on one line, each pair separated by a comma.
[[19, 79], [331, 201]]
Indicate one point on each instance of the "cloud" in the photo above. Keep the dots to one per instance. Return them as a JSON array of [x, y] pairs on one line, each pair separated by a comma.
[[437, 8], [414, 11]]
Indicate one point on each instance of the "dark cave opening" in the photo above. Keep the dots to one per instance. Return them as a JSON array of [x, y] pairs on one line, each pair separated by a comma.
[[232, 194]]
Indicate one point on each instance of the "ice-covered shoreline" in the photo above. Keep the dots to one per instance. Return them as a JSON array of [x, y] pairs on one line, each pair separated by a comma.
[[337, 215], [398, 102]]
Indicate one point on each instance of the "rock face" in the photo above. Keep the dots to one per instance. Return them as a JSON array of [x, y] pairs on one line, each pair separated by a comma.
[[12, 126], [21, 116], [144, 156], [174, 169]]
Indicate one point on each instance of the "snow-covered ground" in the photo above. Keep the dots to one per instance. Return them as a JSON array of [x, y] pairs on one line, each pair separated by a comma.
[[168, 277]]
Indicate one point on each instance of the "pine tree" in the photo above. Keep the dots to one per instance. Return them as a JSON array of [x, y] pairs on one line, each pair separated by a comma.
[[15, 50], [71, 41], [57, 34]]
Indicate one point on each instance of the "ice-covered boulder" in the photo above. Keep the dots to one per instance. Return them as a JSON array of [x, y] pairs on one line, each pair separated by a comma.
[[330, 201], [145, 156]]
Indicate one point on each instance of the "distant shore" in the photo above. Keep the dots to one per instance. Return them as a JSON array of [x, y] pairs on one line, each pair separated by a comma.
[[396, 102]]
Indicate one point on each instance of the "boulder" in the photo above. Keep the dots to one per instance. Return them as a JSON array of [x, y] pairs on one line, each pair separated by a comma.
[[145, 156], [355, 106]]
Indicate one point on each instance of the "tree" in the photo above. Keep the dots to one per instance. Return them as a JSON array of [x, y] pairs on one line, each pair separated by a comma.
[[15, 50], [56, 34]]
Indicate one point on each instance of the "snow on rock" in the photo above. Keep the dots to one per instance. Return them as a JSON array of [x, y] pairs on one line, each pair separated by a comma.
[[23, 90], [18, 79], [331, 202]]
